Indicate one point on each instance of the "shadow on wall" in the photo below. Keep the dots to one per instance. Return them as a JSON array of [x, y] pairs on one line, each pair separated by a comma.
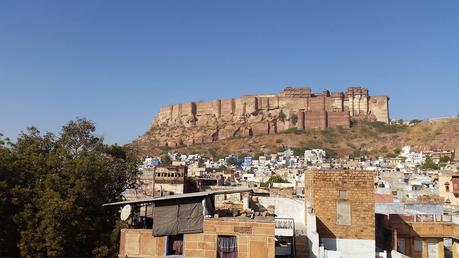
[[383, 234], [325, 232]]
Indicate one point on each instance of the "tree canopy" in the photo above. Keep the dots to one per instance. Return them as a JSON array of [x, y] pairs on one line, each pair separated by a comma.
[[52, 188], [429, 164]]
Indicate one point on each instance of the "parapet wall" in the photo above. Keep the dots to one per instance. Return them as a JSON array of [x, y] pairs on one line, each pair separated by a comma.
[[254, 239]]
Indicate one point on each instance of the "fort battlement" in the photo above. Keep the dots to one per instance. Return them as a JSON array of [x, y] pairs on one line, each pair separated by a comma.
[[293, 107]]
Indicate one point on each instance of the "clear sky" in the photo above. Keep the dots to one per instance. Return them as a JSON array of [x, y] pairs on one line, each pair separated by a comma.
[[117, 62]]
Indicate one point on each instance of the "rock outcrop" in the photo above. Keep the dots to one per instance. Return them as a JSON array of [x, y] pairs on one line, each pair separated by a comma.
[[204, 122]]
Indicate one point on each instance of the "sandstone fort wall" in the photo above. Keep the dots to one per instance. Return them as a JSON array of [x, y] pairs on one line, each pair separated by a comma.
[[355, 100], [261, 114]]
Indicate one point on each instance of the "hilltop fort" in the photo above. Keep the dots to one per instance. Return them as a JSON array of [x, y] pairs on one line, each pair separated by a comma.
[[251, 115]]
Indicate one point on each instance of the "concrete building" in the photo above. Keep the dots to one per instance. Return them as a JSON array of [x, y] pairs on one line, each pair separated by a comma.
[[448, 188], [314, 156], [420, 235], [171, 180], [187, 226]]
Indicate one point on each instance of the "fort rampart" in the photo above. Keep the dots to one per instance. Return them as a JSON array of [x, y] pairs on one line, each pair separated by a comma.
[[269, 113]]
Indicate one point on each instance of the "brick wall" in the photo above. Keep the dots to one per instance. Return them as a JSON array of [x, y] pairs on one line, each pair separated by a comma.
[[254, 239], [322, 188]]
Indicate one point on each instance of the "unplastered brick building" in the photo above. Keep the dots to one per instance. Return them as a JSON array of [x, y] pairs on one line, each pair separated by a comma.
[[343, 204]]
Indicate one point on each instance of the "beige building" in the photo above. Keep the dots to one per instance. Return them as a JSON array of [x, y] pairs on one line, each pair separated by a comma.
[[448, 187], [252, 238], [343, 204], [171, 180], [192, 225], [423, 235]]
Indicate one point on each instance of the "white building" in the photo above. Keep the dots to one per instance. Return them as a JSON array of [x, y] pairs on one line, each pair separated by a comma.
[[417, 158], [314, 156]]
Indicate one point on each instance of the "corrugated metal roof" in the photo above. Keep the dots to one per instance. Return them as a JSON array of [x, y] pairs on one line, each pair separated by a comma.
[[179, 196]]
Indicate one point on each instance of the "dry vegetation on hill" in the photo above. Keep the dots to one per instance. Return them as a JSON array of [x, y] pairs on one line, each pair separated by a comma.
[[363, 138]]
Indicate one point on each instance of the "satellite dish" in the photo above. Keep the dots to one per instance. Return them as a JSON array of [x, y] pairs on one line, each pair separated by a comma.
[[126, 212]]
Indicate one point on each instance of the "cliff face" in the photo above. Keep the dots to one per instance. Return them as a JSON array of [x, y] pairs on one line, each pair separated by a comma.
[[251, 115]]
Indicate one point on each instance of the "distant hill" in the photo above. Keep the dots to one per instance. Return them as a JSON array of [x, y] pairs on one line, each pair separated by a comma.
[[363, 138]]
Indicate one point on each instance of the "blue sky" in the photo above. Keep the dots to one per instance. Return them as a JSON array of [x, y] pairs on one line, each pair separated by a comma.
[[117, 62]]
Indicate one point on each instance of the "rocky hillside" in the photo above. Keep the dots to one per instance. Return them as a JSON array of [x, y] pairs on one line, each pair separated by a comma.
[[363, 138]]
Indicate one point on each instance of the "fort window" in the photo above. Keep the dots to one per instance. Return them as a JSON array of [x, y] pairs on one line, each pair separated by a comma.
[[226, 247], [174, 245], [447, 187]]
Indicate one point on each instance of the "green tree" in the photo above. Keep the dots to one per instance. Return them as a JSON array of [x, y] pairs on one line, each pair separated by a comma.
[[444, 159], [166, 160], [60, 183], [277, 179], [330, 153], [9, 235], [294, 119], [233, 161], [274, 179], [429, 164], [257, 154]]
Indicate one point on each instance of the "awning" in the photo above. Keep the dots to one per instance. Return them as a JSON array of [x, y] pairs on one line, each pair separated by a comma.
[[179, 196]]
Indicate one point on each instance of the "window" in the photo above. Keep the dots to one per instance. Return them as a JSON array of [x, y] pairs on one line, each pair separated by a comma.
[[174, 245], [417, 245], [343, 212], [342, 194], [447, 187], [401, 245], [226, 247]]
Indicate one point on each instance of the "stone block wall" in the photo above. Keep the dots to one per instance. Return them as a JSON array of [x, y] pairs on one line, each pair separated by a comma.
[[254, 239], [188, 109], [228, 107], [315, 120], [205, 108], [323, 188], [317, 104], [260, 128], [250, 103], [335, 119], [379, 107]]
